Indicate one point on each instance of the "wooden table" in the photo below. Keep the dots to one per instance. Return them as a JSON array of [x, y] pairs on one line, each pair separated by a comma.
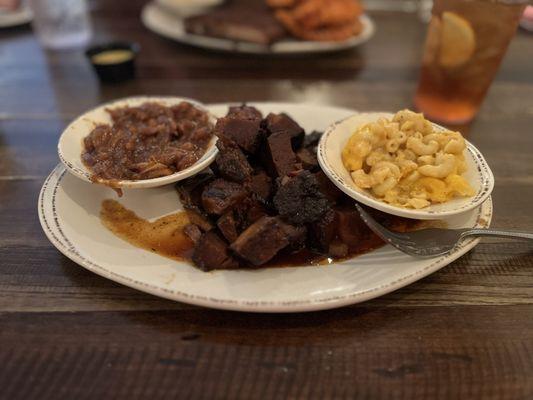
[[464, 332]]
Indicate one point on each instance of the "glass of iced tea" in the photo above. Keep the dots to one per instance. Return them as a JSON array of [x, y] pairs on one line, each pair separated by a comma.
[[465, 43]]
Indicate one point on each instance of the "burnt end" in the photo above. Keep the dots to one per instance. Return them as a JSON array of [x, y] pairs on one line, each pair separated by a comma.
[[323, 232], [231, 162], [193, 232], [268, 197], [278, 157], [219, 195], [298, 239], [311, 140], [299, 200], [282, 123], [245, 112], [351, 228], [246, 133], [211, 252], [247, 212], [190, 191], [261, 186], [328, 188], [307, 158], [227, 225], [240, 217], [200, 220], [264, 239]]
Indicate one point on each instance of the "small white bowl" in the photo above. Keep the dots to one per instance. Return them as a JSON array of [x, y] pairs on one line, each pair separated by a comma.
[[335, 138], [70, 145]]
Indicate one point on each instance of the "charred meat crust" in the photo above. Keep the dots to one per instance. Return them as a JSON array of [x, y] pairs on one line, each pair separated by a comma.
[[231, 162], [278, 156], [190, 190], [311, 140], [264, 239], [228, 226], [282, 123], [261, 186], [323, 232], [299, 200], [245, 112], [220, 195], [351, 228], [328, 189], [308, 159], [266, 196], [244, 132], [211, 252]]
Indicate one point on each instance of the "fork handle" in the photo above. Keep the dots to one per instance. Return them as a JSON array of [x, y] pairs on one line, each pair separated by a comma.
[[497, 233]]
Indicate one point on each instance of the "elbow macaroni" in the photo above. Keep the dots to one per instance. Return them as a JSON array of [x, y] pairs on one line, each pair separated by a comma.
[[406, 162]]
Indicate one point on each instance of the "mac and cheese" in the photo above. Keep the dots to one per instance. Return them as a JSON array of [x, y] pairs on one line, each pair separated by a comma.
[[406, 162]]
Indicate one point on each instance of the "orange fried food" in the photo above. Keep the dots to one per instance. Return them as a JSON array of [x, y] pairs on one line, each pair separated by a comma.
[[314, 14], [319, 20], [332, 33]]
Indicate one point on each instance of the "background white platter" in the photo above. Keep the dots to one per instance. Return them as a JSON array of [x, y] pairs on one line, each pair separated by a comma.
[[69, 214], [10, 19], [170, 25]]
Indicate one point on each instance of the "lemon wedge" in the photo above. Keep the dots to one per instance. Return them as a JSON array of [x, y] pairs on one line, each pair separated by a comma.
[[458, 40], [433, 39]]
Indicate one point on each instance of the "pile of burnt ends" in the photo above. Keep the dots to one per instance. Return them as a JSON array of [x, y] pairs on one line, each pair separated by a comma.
[[265, 195]]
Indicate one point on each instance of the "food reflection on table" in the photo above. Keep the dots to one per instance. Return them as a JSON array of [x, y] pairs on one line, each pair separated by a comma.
[[263, 202]]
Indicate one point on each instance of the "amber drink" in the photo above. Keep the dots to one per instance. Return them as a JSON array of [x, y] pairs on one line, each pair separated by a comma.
[[465, 44]]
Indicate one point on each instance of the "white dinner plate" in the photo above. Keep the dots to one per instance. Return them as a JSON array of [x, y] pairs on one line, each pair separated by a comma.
[[69, 213], [21, 16], [170, 25]]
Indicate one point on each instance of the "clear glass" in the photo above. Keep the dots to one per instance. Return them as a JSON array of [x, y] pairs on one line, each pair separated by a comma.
[[61, 24], [465, 44]]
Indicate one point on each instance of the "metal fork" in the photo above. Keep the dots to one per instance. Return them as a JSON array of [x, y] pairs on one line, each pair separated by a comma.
[[432, 242]]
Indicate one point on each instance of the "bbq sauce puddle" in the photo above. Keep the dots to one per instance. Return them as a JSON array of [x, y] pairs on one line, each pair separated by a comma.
[[165, 237]]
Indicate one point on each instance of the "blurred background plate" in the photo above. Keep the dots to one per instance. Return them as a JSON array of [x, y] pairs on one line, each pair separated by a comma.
[[21, 16], [170, 25]]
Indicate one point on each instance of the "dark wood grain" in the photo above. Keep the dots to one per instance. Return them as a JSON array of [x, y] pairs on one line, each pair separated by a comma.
[[465, 332]]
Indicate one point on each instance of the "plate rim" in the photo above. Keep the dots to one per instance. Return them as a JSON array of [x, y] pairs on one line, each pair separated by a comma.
[[232, 46], [308, 305]]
